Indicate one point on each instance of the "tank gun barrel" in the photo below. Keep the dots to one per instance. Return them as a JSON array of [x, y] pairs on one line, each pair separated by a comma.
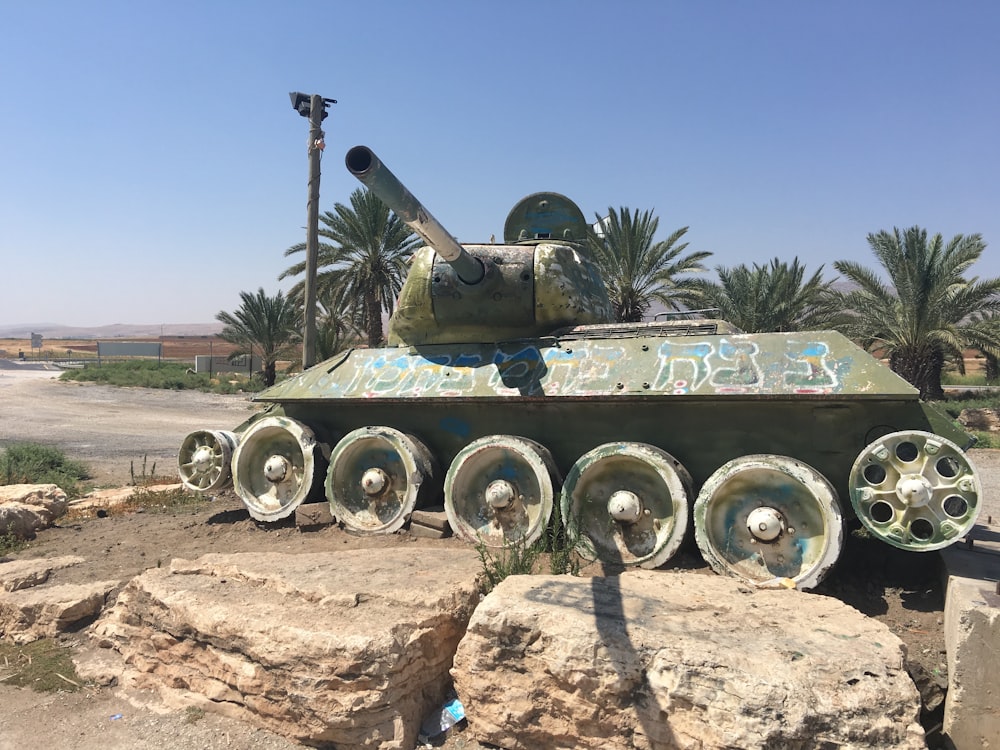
[[367, 167]]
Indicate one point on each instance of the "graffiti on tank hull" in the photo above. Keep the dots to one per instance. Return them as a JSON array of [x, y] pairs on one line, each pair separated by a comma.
[[683, 367], [584, 368], [743, 373], [810, 371], [586, 371]]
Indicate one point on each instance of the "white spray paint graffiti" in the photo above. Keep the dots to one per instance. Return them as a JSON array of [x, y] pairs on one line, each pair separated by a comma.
[[722, 365]]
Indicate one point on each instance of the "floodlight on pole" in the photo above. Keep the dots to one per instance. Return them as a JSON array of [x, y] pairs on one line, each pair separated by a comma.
[[312, 106]]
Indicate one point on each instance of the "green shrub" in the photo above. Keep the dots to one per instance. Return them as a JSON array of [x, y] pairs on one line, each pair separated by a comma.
[[10, 543], [986, 439], [30, 463], [515, 557], [146, 373]]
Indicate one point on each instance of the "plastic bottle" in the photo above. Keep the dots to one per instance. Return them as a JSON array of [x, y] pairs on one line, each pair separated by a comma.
[[442, 719]]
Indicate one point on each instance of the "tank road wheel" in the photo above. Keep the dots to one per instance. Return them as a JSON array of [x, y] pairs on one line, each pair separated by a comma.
[[627, 503], [203, 460], [375, 477], [770, 520], [274, 466], [915, 490], [499, 489]]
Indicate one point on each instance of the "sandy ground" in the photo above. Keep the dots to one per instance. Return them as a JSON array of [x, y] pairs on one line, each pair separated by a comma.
[[113, 429]]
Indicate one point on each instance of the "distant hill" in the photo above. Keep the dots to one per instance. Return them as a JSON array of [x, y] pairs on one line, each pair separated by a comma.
[[116, 330]]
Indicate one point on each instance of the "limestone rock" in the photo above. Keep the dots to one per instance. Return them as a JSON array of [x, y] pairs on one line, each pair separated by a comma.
[[981, 420], [109, 498], [25, 508], [44, 611], [658, 659], [23, 574], [972, 630], [348, 648]]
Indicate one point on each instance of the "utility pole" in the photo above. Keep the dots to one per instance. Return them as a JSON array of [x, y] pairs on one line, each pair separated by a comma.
[[313, 107]]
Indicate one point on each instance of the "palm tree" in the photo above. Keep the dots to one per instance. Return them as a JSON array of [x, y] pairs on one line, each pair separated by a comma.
[[267, 325], [365, 261], [638, 271], [775, 297], [336, 330], [929, 312]]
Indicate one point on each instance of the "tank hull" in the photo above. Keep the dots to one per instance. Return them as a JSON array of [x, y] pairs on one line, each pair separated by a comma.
[[704, 398], [760, 439], [629, 431]]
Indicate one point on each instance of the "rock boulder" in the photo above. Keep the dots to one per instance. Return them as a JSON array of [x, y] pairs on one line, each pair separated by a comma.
[[39, 612], [23, 574], [658, 659], [25, 508], [344, 648]]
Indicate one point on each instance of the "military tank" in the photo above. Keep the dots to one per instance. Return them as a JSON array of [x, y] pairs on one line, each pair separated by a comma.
[[507, 390]]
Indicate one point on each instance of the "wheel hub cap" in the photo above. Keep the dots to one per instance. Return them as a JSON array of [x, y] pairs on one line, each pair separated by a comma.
[[914, 490], [374, 481], [765, 524], [203, 458], [624, 506], [499, 493], [276, 469]]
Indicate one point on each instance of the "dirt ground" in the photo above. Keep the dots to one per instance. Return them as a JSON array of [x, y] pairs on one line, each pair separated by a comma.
[[111, 429]]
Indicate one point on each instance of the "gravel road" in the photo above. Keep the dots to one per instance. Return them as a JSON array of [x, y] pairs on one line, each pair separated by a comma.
[[112, 430]]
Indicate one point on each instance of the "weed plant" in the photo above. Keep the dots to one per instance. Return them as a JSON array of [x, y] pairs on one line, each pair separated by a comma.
[[563, 554], [143, 500], [516, 557], [152, 501], [144, 479], [10, 544], [44, 666]]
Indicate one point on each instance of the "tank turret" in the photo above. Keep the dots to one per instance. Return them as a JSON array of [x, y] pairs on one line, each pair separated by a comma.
[[539, 280]]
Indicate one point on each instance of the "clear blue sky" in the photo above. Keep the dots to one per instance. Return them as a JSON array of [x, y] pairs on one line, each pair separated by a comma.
[[151, 165]]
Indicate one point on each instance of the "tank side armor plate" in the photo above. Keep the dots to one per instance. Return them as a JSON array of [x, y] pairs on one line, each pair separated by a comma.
[[770, 365]]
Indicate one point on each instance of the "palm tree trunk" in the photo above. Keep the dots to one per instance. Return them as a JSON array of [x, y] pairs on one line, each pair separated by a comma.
[[922, 369], [992, 368], [373, 311]]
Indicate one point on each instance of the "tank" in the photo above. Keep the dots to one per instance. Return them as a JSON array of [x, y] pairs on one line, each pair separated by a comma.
[[507, 394]]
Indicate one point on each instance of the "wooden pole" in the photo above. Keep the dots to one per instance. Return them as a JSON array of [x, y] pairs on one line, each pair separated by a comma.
[[316, 110]]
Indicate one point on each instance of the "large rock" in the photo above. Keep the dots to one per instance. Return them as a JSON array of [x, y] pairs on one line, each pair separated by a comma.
[[34, 571], [115, 496], [983, 420], [25, 508], [972, 636], [349, 648], [45, 611], [655, 659]]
